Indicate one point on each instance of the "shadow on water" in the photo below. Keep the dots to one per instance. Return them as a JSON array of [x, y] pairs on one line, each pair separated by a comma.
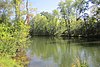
[[62, 52], [87, 42]]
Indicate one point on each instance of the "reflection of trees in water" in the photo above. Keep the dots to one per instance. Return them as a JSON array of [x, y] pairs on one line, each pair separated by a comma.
[[92, 54], [64, 52]]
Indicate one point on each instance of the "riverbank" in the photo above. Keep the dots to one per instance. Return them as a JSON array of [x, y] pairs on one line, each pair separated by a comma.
[[13, 44]]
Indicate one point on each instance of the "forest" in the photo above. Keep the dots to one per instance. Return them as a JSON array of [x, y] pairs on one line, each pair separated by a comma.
[[18, 23], [69, 19]]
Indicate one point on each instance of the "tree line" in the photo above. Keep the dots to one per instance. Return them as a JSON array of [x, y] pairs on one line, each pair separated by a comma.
[[71, 18]]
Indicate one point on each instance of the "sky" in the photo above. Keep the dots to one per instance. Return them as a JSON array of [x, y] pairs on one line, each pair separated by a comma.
[[44, 5]]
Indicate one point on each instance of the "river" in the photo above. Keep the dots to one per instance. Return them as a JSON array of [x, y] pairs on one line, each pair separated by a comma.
[[63, 52]]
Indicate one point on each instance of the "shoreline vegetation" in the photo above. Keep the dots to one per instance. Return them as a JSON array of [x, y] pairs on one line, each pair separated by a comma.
[[14, 31], [13, 44], [18, 23]]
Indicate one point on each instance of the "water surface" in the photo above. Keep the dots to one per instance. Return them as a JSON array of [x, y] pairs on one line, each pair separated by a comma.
[[63, 52]]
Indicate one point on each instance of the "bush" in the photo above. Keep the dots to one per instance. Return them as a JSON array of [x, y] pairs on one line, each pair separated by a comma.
[[12, 39]]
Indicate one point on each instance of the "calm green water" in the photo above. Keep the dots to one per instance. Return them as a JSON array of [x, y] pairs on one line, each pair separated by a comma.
[[63, 52]]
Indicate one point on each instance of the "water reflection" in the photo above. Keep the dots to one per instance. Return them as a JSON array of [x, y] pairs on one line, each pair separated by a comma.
[[58, 52]]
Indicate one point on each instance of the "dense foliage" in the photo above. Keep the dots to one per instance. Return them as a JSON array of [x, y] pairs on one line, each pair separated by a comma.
[[13, 34], [43, 26], [13, 39], [72, 18]]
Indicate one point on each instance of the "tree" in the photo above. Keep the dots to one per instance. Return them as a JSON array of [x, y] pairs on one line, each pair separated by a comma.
[[17, 4], [5, 10], [56, 13], [47, 15], [27, 16], [66, 12]]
